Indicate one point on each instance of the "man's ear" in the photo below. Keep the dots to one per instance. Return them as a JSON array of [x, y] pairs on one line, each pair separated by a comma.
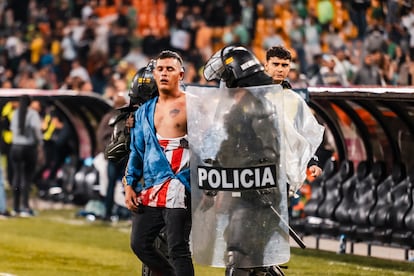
[[182, 74]]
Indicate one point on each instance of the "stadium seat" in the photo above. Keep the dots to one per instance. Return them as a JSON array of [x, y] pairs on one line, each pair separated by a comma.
[[333, 187], [409, 224], [342, 212], [366, 198], [401, 212], [380, 215], [312, 219]]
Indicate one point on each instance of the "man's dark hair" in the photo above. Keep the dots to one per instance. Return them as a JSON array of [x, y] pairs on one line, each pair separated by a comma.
[[170, 54], [279, 52]]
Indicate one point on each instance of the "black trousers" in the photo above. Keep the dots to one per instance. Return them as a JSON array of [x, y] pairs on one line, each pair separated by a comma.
[[23, 159], [115, 172], [147, 224]]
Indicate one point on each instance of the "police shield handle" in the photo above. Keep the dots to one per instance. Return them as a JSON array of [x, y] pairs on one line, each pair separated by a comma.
[[207, 201], [292, 232]]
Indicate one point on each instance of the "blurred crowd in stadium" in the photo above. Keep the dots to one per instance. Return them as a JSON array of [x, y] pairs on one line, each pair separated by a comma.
[[92, 45]]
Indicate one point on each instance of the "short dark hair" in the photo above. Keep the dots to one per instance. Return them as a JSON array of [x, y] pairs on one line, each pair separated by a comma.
[[170, 54], [279, 52]]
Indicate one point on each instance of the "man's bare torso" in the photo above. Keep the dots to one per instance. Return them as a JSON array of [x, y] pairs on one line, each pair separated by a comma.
[[170, 117]]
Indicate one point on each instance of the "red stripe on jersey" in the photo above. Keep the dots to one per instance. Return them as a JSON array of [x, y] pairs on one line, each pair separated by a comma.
[[157, 196], [176, 159], [163, 144], [162, 194], [145, 196]]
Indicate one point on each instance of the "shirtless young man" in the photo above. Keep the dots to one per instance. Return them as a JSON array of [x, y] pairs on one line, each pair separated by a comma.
[[157, 178]]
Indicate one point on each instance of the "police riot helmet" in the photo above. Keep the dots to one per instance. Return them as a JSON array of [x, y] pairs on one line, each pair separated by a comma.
[[232, 64], [143, 86]]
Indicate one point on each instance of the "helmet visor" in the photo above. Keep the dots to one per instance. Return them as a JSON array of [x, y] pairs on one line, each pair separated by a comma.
[[215, 66]]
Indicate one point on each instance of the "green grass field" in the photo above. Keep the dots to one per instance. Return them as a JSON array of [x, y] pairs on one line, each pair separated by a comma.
[[57, 243]]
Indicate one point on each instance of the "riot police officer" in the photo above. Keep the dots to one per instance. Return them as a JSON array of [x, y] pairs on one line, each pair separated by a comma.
[[252, 140], [142, 88]]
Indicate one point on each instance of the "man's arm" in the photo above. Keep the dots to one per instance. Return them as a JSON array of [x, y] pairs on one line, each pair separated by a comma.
[[313, 164], [134, 168]]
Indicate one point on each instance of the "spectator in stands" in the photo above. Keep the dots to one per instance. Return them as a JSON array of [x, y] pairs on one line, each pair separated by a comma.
[[343, 65], [327, 75], [368, 73], [15, 48], [312, 38], [203, 39], [136, 57], [268, 8], [247, 16], [101, 72], [64, 10], [358, 14], [88, 9], [215, 14], [333, 39], [86, 39], [406, 70], [36, 48], [375, 39], [78, 70], [273, 37], [297, 40], [27, 136], [86, 87], [113, 41], [408, 23], [180, 32], [387, 69], [69, 52], [296, 79], [237, 33], [118, 38], [325, 13]]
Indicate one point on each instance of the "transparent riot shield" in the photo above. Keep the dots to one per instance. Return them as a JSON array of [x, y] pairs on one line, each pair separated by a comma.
[[238, 178]]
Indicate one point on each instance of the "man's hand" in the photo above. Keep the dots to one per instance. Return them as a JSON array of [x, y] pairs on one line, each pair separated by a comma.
[[315, 171], [130, 121], [131, 198]]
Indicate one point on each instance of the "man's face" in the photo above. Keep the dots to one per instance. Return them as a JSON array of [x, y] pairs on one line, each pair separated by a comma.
[[36, 106], [277, 68], [167, 74]]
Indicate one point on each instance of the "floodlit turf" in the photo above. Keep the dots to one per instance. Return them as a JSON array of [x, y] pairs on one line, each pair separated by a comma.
[[57, 243]]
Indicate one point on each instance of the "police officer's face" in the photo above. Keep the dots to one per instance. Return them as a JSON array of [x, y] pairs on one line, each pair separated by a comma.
[[277, 68]]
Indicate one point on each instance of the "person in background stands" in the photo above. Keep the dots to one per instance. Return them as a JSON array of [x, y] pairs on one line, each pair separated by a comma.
[[26, 127]]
